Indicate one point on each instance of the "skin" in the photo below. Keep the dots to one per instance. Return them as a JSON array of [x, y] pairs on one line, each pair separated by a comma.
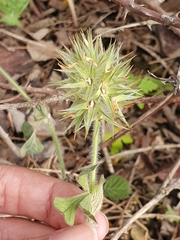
[[30, 194]]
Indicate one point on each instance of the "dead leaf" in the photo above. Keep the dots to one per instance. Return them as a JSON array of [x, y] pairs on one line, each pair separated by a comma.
[[41, 33], [137, 233], [15, 62], [167, 228], [60, 5], [63, 37], [41, 54]]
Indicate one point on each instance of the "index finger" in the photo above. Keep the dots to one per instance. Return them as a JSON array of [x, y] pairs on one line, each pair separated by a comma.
[[24, 192]]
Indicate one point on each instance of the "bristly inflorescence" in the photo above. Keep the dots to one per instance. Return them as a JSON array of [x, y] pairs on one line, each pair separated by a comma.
[[97, 82]]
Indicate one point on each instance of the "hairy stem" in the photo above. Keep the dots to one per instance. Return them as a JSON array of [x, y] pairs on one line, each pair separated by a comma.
[[58, 151], [17, 87], [95, 146]]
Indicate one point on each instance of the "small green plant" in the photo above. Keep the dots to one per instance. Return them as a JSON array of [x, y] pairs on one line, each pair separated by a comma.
[[98, 86], [116, 188], [118, 144], [151, 86], [12, 10]]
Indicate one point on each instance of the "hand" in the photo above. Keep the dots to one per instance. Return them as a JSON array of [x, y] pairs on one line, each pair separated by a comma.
[[30, 194]]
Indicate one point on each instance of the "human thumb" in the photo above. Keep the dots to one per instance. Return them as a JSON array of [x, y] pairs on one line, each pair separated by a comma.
[[85, 231]]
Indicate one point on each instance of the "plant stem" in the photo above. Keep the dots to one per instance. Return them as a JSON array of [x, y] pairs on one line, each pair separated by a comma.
[[73, 12], [53, 132], [58, 151], [95, 146], [17, 87]]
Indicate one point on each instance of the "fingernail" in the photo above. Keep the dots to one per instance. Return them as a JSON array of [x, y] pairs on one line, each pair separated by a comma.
[[85, 231], [102, 226]]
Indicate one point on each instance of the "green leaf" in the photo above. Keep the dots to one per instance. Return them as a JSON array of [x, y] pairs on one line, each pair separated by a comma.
[[12, 10], [93, 202], [97, 196], [107, 136], [83, 180], [27, 130], [127, 139], [32, 145], [116, 188], [88, 170], [69, 206], [148, 85], [140, 105], [117, 145]]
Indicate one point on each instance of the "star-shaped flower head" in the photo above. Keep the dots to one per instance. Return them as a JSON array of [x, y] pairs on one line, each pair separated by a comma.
[[97, 82]]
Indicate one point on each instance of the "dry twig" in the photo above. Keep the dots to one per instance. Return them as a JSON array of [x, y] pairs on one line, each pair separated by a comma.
[[168, 185], [142, 118], [8, 141], [163, 18], [144, 149], [46, 91]]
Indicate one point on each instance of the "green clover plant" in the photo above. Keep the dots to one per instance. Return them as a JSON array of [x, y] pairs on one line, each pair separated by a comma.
[[98, 86]]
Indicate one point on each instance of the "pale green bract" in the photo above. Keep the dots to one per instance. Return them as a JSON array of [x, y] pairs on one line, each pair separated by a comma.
[[97, 83], [12, 10]]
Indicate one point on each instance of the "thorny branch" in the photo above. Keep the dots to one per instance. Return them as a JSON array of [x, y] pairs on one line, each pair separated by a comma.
[[165, 19]]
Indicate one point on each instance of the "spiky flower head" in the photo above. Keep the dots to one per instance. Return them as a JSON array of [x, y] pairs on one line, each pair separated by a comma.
[[97, 82]]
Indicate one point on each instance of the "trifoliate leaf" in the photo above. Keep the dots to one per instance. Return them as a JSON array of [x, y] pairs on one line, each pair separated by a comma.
[[116, 188], [69, 206], [33, 145]]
